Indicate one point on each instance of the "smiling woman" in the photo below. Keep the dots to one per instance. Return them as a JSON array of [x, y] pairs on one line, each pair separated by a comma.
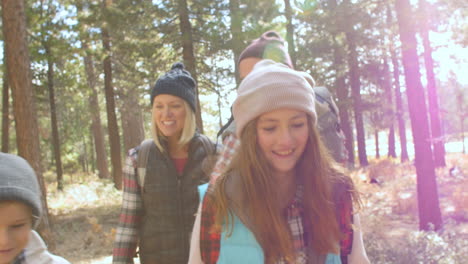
[[161, 177]]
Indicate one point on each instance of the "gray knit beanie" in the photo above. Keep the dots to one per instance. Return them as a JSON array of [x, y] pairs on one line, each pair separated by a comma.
[[177, 82], [271, 86], [18, 182]]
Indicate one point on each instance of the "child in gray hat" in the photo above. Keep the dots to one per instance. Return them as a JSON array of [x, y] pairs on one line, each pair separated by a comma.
[[20, 211]]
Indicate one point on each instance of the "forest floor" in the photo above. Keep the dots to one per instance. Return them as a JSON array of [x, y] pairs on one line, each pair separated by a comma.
[[85, 215]]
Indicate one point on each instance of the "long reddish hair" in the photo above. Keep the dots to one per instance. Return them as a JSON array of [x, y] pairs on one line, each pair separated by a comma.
[[257, 195]]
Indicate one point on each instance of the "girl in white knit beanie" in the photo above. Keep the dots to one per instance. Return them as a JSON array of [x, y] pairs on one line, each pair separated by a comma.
[[276, 201]]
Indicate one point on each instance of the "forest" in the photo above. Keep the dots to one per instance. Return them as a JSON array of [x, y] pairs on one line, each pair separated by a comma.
[[76, 79]]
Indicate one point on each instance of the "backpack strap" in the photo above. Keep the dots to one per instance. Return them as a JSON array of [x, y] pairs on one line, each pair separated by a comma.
[[142, 160], [322, 94], [225, 126]]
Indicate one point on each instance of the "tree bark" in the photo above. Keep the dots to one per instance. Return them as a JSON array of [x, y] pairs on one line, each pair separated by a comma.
[[353, 65], [53, 117], [237, 42], [345, 121], [389, 111], [437, 136], [462, 115], [428, 199], [96, 124], [112, 125], [188, 53], [342, 90], [354, 79], [5, 107], [20, 79], [398, 99], [290, 32], [377, 148], [132, 120]]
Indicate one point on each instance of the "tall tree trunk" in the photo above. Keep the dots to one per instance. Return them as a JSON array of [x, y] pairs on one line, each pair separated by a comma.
[[399, 109], [428, 199], [353, 65], [5, 107], [377, 149], [398, 100], [112, 125], [53, 117], [290, 32], [237, 42], [96, 125], [355, 82], [20, 79], [342, 90], [390, 110], [342, 93], [462, 115], [188, 53], [132, 120], [345, 121], [436, 131]]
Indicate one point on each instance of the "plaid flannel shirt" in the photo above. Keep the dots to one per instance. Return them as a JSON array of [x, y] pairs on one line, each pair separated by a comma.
[[210, 241], [230, 145], [126, 238]]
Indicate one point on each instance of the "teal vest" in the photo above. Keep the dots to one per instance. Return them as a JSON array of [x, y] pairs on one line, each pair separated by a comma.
[[242, 247]]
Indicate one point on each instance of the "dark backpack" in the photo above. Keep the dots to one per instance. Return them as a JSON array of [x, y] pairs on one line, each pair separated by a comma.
[[329, 124]]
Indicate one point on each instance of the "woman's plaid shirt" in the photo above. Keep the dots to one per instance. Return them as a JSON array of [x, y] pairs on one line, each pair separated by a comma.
[[126, 238]]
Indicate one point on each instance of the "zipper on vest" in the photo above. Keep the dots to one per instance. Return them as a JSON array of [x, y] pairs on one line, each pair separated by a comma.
[[181, 212]]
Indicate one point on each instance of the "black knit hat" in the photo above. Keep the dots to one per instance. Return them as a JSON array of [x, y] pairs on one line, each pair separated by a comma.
[[18, 182], [177, 82], [269, 46]]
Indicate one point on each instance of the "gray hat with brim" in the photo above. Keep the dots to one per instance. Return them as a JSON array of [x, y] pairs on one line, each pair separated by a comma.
[[18, 182]]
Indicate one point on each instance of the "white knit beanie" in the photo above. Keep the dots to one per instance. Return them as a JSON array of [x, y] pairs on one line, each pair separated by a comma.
[[271, 86]]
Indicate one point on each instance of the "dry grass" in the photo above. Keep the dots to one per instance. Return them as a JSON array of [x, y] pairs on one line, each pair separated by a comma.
[[85, 215], [390, 213], [84, 218]]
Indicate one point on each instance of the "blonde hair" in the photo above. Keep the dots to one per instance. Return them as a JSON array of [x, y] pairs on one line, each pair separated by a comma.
[[317, 173], [187, 131]]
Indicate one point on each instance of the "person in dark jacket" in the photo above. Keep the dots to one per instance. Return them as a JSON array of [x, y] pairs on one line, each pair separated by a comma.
[[160, 198]]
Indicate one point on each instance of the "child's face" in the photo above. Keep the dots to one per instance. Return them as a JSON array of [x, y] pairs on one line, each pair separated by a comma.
[[282, 135], [14, 229]]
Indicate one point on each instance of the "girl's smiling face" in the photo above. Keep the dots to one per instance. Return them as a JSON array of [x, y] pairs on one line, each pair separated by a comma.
[[15, 227], [282, 136]]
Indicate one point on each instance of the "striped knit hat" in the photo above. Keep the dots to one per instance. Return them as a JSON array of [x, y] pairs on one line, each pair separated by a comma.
[[268, 46], [271, 86], [18, 182]]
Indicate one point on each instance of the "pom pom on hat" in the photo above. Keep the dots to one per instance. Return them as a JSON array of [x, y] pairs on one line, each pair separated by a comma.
[[271, 86], [177, 82]]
